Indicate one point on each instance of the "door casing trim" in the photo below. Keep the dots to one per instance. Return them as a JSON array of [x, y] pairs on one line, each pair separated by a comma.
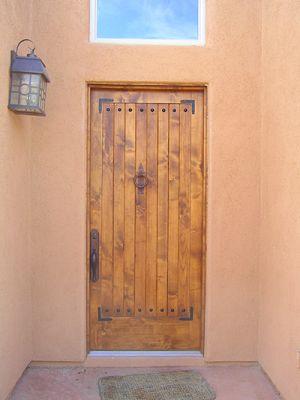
[[149, 86]]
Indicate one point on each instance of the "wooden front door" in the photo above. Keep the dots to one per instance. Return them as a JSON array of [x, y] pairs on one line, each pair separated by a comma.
[[146, 219]]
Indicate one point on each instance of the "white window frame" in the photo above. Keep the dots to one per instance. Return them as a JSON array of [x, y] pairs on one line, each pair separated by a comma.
[[169, 42]]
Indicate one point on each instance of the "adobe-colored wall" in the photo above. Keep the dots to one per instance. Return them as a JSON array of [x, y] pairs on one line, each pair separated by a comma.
[[230, 63], [15, 274], [279, 327]]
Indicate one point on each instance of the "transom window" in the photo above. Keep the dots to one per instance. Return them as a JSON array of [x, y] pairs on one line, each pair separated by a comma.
[[148, 21]]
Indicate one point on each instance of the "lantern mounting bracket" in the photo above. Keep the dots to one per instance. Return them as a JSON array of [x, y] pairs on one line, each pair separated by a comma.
[[26, 40]]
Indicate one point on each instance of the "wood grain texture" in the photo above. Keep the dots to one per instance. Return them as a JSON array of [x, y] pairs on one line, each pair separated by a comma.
[[141, 213], [129, 222], [184, 210], [173, 236], [151, 266], [162, 206], [118, 212], [107, 229], [95, 209], [197, 209]]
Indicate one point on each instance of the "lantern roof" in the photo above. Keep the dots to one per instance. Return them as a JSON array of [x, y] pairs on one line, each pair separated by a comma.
[[30, 64]]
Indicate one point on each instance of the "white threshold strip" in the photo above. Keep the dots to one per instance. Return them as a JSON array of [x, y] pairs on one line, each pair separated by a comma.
[[144, 359], [145, 354]]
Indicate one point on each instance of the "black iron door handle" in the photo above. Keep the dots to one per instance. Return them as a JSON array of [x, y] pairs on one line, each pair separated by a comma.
[[140, 180], [94, 255]]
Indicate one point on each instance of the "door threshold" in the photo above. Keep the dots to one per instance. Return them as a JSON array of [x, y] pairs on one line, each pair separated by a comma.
[[144, 359], [146, 353]]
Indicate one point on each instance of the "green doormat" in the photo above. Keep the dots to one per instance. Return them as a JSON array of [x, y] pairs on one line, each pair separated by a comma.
[[181, 385]]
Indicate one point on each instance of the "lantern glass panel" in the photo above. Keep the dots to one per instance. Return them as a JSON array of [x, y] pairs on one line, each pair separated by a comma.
[[23, 100], [16, 78], [42, 97], [25, 79], [14, 98], [33, 100], [28, 92], [35, 79]]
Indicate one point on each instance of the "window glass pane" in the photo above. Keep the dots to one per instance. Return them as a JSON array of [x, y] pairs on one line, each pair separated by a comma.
[[147, 19]]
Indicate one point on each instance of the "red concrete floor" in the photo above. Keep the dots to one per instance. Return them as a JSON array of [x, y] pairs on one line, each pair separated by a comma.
[[231, 382]]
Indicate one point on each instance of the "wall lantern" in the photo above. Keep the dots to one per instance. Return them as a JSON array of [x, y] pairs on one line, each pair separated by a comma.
[[28, 83]]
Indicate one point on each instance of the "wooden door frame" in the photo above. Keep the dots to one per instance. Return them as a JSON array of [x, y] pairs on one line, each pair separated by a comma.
[[147, 86]]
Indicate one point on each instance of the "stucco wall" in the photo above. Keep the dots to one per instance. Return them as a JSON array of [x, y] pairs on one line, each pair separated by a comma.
[[279, 328], [230, 63], [15, 274], [43, 169]]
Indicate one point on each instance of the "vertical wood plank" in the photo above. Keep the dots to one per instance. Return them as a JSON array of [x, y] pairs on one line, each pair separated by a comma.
[[184, 209], [162, 218], [118, 216], [95, 206], [151, 210], [129, 210], [141, 217], [174, 152], [106, 235], [197, 207]]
